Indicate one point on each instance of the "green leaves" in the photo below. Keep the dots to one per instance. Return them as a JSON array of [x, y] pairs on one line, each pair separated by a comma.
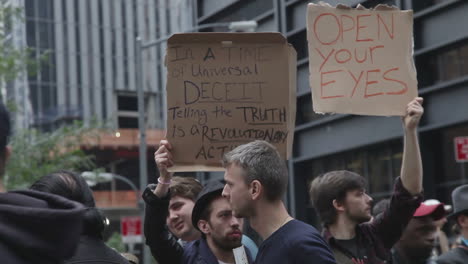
[[35, 153]]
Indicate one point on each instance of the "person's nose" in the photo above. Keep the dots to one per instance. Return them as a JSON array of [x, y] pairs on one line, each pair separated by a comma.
[[369, 199], [225, 192], [173, 215], [235, 222]]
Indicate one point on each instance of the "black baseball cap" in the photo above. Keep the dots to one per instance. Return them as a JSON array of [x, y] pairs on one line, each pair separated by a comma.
[[212, 189]]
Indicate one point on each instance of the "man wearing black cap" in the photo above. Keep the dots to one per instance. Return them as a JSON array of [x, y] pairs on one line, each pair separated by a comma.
[[211, 215], [35, 227], [459, 254], [418, 239]]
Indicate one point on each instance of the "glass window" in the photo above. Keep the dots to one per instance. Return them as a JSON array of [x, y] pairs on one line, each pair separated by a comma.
[[419, 5], [29, 8], [43, 34], [463, 56], [445, 65], [355, 162], [31, 33], [379, 170], [34, 96], [127, 103], [451, 65], [242, 10], [380, 165], [397, 156], [128, 122], [45, 70], [334, 163], [44, 10]]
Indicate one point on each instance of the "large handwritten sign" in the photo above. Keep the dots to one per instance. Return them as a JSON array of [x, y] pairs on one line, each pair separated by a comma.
[[227, 89], [361, 60]]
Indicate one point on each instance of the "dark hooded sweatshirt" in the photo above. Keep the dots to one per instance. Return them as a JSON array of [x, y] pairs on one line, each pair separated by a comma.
[[37, 227]]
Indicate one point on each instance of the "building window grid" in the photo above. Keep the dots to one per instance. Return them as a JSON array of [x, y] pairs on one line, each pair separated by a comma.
[[447, 64], [376, 164]]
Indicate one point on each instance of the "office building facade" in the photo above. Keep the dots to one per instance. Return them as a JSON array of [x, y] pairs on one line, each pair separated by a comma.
[[372, 146]]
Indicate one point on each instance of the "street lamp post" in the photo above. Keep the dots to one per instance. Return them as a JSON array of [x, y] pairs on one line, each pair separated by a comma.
[[244, 26]]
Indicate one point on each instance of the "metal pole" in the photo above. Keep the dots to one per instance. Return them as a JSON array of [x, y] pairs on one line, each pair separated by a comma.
[[142, 133], [141, 115]]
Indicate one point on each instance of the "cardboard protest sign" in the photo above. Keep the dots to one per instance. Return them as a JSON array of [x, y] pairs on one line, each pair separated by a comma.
[[228, 89], [360, 60]]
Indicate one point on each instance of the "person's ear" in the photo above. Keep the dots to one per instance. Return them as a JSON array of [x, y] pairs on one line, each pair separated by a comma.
[[256, 189], [339, 206], [204, 226]]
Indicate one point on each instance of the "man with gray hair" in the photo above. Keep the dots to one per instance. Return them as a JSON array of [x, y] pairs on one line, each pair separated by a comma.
[[256, 180]]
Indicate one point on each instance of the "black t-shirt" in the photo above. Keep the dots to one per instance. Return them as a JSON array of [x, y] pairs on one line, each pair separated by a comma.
[[295, 242], [350, 248]]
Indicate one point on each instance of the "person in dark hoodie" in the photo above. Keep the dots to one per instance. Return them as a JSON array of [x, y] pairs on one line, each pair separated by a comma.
[[91, 248], [35, 227]]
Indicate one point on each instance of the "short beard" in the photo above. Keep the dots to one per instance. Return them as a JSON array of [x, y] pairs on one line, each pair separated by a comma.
[[359, 219], [226, 244]]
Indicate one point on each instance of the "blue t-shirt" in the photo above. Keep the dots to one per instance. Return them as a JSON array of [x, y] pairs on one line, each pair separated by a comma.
[[294, 243]]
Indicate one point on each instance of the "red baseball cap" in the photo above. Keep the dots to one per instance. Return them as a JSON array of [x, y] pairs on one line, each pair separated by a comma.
[[436, 210]]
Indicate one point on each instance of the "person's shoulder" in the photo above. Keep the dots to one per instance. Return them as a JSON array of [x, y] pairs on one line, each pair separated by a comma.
[[300, 234], [307, 243], [301, 230]]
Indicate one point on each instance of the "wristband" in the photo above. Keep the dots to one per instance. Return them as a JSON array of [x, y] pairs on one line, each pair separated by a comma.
[[164, 183]]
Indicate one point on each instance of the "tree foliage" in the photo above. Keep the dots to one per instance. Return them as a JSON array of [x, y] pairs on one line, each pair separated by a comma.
[[35, 153], [115, 242], [13, 59]]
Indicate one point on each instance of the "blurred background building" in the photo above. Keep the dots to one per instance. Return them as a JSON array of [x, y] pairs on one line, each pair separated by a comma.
[[372, 146], [90, 74]]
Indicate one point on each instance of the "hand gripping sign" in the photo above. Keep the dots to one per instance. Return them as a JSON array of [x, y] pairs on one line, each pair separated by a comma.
[[360, 60]]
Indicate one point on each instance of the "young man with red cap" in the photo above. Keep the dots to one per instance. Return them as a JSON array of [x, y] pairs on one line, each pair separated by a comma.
[[459, 254], [418, 240]]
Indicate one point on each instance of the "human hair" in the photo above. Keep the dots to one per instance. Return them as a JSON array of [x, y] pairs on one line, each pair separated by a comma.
[[74, 187], [206, 211], [331, 186], [4, 134], [186, 187], [261, 161]]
